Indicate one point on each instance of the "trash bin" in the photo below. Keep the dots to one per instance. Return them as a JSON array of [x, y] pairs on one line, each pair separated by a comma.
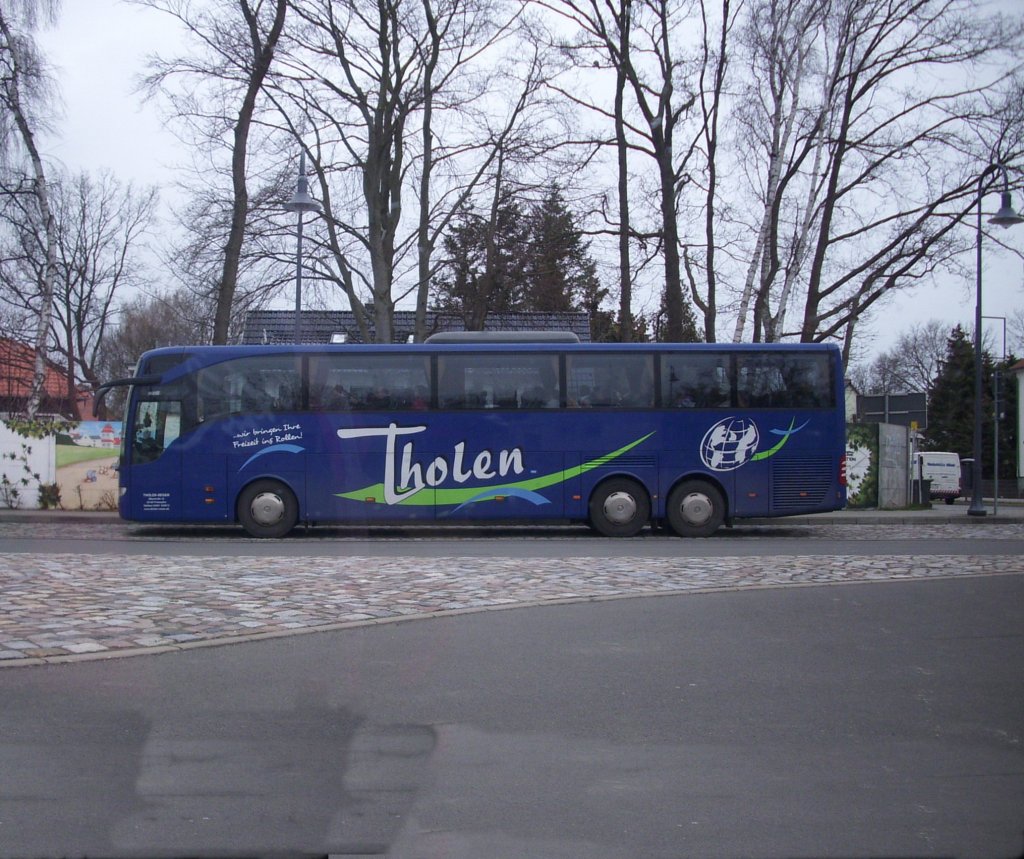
[[967, 475], [920, 493]]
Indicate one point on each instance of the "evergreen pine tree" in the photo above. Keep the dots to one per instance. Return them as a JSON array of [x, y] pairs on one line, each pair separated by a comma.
[[536, 260], [951, 402], [691, 332], [1008, 420], [560, 274], [482, 268]]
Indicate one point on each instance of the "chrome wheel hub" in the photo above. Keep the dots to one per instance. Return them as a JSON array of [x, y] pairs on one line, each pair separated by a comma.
[[696, 508], [620, 508], [267, 508]]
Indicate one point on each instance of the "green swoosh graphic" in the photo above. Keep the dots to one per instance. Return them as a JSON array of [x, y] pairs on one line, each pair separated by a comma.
[[764, 454], [444, 497]]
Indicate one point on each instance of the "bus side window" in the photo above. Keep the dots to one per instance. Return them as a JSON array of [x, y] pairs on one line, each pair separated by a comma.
[[214, 398], [255, 396], [288, 397], [692, 380], [792, 380], [760, 384], [335, 398], [361, 382], [451, 391], [500, 381], [808, 382], [610, 381], [253, 384]]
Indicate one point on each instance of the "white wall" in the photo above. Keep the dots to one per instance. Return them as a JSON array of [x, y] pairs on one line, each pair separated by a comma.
[[893, 465], [40, 460]]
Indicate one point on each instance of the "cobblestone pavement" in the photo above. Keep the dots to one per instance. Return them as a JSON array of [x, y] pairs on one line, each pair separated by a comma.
[[64, 607], [108, 530]]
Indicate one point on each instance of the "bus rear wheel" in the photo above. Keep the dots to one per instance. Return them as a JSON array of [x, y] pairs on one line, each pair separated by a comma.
[[619, 508], [267, 508], [695, 508]]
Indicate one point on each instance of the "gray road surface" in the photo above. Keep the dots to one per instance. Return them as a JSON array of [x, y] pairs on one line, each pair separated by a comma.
[[829, 690], [879, 719]]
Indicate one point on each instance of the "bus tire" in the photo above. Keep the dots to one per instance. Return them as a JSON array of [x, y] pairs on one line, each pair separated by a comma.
[[267, 508], [695, 508], [619, 507]]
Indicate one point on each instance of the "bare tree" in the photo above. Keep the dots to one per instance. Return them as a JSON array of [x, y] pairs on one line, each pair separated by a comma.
[[604, 33], [714, 61], [502, 140], [237, 40], [98, 228], [266, 258], [405, 99], [146, 322], [102, 224], [781, 123], [1015, 332], [23, 96], [908, 367], [652, 63], [623, 24], [864, 173]]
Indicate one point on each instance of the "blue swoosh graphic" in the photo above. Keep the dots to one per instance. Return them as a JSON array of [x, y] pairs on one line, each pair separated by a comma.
[[274, 448], [526, 494], [789, 431]]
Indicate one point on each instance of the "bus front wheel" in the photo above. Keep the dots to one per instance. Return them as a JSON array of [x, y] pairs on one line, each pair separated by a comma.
[[619, 508], [695, 509], [267, 508]]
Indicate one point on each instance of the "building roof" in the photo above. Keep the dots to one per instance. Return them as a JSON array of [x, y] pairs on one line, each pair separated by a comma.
[[17, 369], [319, 326]]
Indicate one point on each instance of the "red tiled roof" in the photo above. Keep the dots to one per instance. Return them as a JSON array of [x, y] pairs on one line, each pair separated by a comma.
[[17, 367]]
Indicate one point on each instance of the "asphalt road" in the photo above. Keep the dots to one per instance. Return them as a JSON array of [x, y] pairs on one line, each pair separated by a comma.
[[882, 719]]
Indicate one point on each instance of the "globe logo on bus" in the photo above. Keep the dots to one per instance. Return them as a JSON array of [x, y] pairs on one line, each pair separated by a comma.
[[729, 444]]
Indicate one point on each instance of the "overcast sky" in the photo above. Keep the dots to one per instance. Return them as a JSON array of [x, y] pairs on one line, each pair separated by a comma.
[[99, 50]]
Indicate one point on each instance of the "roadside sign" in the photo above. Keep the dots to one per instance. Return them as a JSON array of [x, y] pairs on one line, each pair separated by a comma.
[[908, 410]]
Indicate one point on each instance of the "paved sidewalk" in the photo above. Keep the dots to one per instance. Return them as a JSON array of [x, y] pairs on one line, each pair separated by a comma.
[[58, 607], [62, 607]]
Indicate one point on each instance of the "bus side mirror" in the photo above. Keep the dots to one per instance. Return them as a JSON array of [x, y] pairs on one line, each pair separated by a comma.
[[101, 391]]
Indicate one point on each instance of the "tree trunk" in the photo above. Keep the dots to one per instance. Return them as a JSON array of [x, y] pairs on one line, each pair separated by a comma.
[[263, 54], [625, 273], [42, 195], [424, 244], [673, 270]]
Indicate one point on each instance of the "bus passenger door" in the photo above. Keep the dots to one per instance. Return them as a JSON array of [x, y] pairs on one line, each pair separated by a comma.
[[154, 474]]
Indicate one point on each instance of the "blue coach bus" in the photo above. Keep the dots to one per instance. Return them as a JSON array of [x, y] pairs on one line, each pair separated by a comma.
[[618, 436]]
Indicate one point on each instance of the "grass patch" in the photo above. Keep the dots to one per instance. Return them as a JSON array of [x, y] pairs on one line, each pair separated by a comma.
[[67, 454]]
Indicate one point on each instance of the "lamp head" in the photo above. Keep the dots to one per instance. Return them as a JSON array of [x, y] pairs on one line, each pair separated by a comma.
[[1006, 216], [301, 201]]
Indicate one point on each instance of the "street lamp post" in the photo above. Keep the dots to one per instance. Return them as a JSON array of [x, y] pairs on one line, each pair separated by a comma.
[[300, 203], [997, 378], [1005, 217]]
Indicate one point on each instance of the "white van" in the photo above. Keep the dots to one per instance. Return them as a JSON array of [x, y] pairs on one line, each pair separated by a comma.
[[943, 470]]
